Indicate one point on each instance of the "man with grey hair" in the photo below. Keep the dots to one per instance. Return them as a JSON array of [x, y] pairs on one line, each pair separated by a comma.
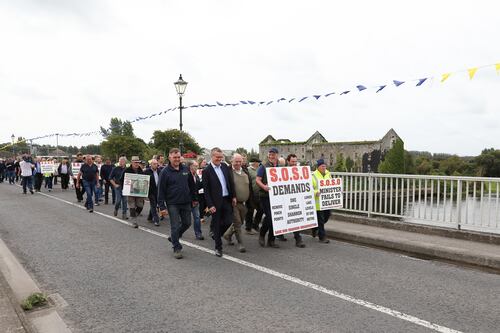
[[243, 192], [153, 173], [115, 180], [219, 193]]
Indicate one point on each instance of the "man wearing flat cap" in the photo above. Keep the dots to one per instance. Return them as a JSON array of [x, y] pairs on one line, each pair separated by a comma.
[[135, 204], [323, 215], [261, 180]]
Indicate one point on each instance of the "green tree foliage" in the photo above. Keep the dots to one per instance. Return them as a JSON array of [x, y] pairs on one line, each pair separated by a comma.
[[488, 163], [165, 140], [242, 151], [349, 164], [253, 154], [394, 160], [339, 163], [120, 140]]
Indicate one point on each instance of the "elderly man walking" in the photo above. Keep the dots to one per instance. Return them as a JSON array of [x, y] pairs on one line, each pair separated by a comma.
[[115, 180], [135, 204], [88, 177], [154, 179], [243, 191]]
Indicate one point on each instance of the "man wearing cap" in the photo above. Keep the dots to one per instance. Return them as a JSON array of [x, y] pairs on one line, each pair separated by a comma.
[[135, 204], [323, 215], [78, 190], [261, 180]]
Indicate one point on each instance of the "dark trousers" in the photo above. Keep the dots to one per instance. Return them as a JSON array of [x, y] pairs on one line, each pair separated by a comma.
[[27, 182], [106, 192], [254, 207], [180, 221], [153, 211], [89, 188], [323, 217], [267, 224], [79, 191], [222, 220], [38, 181], [64, 181]]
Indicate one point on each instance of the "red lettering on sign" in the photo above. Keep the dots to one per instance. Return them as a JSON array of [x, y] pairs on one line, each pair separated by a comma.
[[273, 174]]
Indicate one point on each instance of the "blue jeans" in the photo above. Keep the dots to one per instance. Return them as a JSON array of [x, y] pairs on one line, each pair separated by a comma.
[[323, 216], [11, 175], [27, 182], [48, 182], [196, 220], [120, 200], [180, 221], [89, 190], [153, 211], [98, 192]]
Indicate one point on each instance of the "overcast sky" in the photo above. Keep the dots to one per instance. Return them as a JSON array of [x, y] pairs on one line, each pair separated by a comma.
[[69, 66]]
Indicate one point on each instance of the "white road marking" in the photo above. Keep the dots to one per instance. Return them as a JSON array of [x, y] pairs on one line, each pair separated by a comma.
[[351, 299]]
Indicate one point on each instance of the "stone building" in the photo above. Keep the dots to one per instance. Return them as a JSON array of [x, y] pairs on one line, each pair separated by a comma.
[[365, 155]]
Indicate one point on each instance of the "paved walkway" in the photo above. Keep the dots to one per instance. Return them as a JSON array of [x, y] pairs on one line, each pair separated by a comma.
[[9, 320], [464, 251]]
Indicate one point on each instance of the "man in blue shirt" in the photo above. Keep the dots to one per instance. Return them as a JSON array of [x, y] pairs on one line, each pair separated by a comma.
[[220, 197]]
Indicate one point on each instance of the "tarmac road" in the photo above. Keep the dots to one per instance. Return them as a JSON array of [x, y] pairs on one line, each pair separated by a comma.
[[118, 279]]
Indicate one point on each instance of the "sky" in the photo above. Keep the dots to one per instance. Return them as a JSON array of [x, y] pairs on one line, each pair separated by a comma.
[[69, 66]]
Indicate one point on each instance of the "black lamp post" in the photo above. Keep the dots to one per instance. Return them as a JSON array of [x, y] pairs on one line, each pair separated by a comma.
[[180, 86], [13, 137]]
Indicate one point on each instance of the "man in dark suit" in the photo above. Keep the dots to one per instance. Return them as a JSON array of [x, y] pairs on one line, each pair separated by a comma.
[[154, 177], [220, 198]]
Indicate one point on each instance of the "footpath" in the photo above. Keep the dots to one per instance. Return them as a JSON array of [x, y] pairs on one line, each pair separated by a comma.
[[464, 247], [11, 320]]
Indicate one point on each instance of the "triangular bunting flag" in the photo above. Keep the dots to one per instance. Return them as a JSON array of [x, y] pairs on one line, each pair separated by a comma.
[[398, 83], [380, 88], [316, 96], [303, 98], [361, 87], [269, 102], [345, 92], [281, 99], [472, 72], [291, 100], [445, 77], [329, 94], [219, 104], [421, 81], [243, 102], [251, 102]]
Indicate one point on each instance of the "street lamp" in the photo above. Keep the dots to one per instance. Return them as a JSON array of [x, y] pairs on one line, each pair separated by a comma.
[[180, 86], [13, 137]]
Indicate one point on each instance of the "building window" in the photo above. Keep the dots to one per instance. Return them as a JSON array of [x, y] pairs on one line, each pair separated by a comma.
[[302, 156]]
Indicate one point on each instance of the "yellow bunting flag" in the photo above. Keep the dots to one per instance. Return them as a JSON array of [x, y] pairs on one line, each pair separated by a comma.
[[445, 77], [472, 72], [497, 67]]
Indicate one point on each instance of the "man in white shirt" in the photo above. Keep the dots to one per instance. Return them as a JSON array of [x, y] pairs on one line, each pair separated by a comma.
[[26, 173]]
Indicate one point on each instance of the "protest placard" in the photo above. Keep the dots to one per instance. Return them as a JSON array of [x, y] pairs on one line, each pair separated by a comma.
[[291, 197], [47, 167], [75, 168], [330, 193], [135, 185]]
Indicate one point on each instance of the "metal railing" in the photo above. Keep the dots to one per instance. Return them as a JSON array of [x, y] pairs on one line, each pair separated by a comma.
[[469, 203]]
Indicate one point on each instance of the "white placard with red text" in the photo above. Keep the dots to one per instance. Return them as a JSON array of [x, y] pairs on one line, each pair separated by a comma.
[[330, 193], [47, 167], [291, 196], [75, 168]]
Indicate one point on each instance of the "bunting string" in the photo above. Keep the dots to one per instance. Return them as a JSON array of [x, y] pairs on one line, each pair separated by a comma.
[[471, 72]]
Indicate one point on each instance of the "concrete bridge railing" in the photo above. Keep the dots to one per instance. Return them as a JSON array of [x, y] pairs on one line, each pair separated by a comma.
[[469, 203]]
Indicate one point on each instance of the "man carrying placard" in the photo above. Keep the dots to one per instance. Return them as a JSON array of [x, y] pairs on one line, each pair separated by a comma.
[[75, 170], [320, 174]]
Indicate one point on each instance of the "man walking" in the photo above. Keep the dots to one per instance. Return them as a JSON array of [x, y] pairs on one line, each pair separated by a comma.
[[115, 178], [261, 180], [78, 190], [154, 178], [254, 202], [135, 204], [38, 174], [105, 172], [195, 210], [176, 193], [88, 176], [323, 215], [243, 192], [26, 173], [63, 170], [219, 196]]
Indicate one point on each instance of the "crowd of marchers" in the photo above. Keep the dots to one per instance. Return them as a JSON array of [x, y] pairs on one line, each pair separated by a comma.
[[229, 196]]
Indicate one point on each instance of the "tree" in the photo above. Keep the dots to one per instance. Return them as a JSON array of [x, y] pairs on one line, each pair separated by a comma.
[[116, 145], [166, 140], [339, 163], [253, 154], [118, 127], [349, 163], [409, 163], [394, 159], [488, 163], [241, 151]]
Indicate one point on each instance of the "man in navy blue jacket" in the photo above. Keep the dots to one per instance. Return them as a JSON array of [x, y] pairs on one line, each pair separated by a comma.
[[176, 197]]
